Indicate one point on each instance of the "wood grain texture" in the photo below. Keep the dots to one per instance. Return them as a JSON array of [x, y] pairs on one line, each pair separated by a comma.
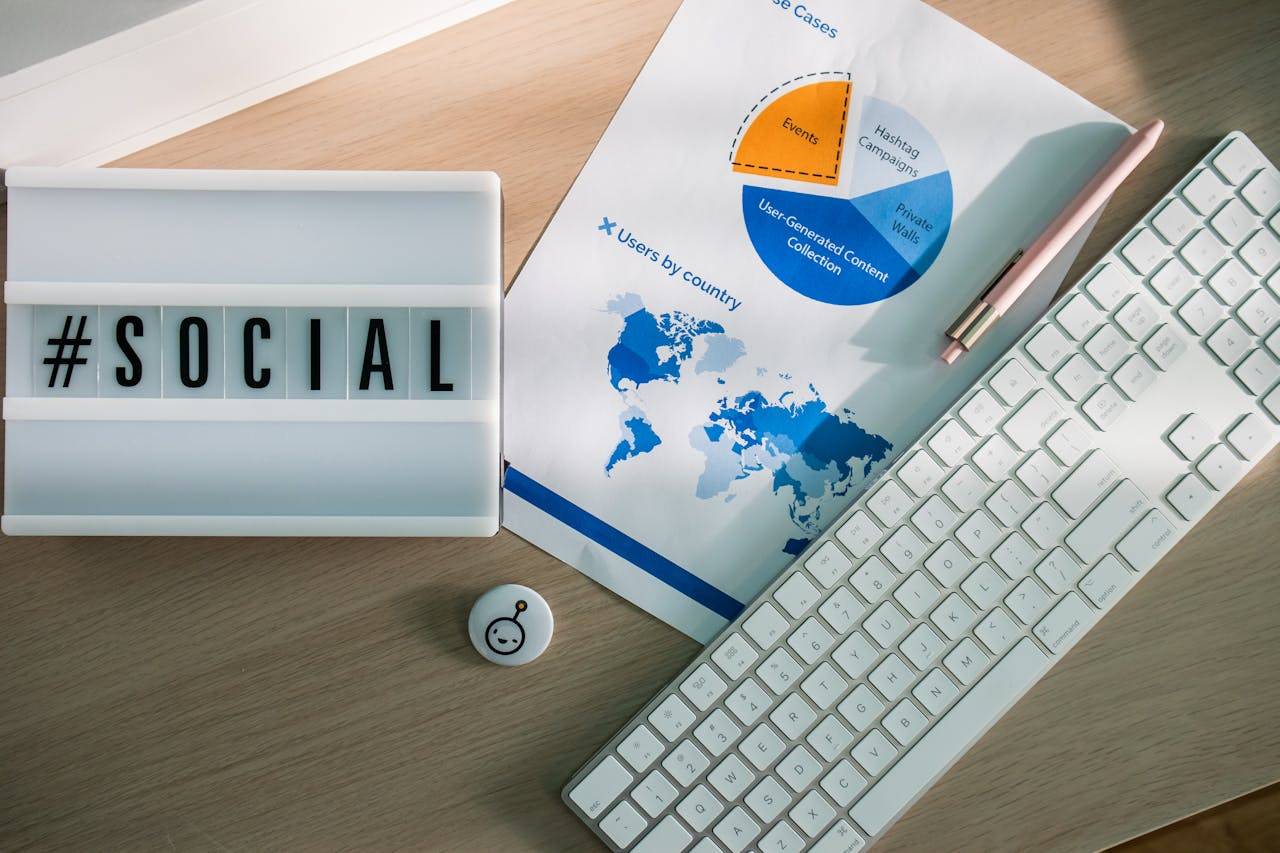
[[237, 694], [1250, 824]]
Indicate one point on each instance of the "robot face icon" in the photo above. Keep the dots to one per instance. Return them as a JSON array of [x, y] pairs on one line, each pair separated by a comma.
[[509, 638], [505, 635]]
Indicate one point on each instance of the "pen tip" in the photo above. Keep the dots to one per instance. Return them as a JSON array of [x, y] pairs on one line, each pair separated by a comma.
[[952, 352]]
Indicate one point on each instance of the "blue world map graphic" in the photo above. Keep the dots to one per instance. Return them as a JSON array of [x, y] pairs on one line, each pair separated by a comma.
[[812, 454]]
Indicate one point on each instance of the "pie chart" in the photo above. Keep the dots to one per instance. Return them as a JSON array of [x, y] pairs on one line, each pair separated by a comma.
[[856, 247]]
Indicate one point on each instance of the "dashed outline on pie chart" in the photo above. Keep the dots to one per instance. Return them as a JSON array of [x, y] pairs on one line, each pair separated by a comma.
[[866, 244], [799, 134]]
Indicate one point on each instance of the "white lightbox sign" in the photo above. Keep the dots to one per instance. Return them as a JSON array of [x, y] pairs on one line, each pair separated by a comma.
[[252, 353]]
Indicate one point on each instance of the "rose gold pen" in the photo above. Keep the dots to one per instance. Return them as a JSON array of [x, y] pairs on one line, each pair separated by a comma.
[[1023, 267]]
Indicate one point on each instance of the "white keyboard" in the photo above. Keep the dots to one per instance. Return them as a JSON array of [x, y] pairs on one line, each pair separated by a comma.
[[985, 553]]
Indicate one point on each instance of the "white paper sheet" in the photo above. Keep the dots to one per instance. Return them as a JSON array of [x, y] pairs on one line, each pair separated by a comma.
[[734, 320]]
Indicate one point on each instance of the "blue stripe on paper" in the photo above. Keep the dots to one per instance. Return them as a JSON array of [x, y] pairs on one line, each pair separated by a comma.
[[624, 546]]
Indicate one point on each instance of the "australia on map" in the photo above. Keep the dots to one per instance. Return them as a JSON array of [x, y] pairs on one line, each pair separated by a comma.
[[811, 454]]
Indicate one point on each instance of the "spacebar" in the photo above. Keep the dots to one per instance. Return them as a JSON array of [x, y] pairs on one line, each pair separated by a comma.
[[950, 737]]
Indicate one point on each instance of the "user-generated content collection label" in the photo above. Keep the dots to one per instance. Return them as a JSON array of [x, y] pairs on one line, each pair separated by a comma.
[[252, 352]]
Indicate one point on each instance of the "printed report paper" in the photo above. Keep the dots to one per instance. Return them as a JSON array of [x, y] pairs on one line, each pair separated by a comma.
[[733, 322]]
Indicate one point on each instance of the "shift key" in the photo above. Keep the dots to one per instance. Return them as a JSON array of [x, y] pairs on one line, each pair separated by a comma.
[[1110, 519]]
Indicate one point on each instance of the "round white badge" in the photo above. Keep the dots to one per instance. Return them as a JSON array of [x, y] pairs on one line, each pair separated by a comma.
[[510, 625]]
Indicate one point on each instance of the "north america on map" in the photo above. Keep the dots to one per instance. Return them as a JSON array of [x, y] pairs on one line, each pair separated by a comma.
[[812, 455]]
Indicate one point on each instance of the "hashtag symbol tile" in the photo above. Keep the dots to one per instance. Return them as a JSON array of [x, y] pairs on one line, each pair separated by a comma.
[[61, 359]]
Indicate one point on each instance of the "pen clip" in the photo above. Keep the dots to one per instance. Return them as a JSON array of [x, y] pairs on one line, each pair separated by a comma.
[[991, 285], [981, 314]]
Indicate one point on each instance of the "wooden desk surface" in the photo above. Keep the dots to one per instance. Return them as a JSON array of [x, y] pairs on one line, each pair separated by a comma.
[[236, 694]]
